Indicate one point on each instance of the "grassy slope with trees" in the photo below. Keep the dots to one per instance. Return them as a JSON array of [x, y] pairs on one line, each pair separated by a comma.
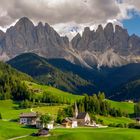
[[10, 111], [76, 79], [11, 85], [124, 106], [53, 94], [45, 73]]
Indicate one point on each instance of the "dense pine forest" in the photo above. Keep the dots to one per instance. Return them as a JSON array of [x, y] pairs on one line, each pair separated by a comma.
[[11, 83], [97, 104]]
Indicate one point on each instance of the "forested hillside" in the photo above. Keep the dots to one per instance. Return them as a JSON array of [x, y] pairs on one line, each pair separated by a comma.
[[39, 68], [11, 85], [128, 91]]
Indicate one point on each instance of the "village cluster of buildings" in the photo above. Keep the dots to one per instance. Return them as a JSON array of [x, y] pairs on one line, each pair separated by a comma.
[[78, 119], [33, 119]]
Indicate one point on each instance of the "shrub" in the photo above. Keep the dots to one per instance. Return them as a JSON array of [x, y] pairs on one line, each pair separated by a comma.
[[120, 125], [25, 104], [134, 125], [112, 125], [0, 116]]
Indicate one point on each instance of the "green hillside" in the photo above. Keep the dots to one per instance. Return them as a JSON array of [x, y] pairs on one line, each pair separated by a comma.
[[115, 120], [124, 106], [6, 69], [10, 110], [11, 86], [55, 93], [39, 68]]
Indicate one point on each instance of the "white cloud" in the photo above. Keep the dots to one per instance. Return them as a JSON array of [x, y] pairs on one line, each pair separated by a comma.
[[66, 14], [58, 11], [134, 3]]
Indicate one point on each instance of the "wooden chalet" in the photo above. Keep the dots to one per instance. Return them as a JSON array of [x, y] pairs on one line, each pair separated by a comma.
[[28, 118], [138, 120], [69, 123], [43, 132]]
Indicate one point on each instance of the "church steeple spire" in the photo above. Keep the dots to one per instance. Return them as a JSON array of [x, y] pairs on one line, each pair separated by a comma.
[[76, 110]]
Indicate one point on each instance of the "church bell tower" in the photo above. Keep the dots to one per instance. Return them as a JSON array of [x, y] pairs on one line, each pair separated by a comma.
[[76, 110]]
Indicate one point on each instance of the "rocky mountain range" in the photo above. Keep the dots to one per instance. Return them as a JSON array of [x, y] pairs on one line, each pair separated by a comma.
[[107, 46]]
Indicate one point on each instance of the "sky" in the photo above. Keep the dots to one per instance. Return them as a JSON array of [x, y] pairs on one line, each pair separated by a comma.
[[71, 16], [133, 25]]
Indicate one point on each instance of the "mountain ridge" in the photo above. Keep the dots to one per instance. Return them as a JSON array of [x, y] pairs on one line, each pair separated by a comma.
[[102, 47], [79, 79], [45, 73]]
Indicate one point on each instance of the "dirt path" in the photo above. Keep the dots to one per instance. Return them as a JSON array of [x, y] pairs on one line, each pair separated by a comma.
[[15, 138]]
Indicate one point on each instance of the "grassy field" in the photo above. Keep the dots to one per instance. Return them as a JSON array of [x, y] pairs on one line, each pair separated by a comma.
[[69, 134], [91, 134], [15, 130], [48, 109], [124, 106], [117, 120], [39, 89], [9, 110], [11, 129]]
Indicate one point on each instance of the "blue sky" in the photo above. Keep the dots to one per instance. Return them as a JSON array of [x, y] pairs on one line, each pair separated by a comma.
[[133, 25]]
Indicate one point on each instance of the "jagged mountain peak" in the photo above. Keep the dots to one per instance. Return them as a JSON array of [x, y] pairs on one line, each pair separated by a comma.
[[86, 30], [108, 46], [2, 34], [86, 49], [40, 39], [109, 25], [24, 21], [40, 24], [119, 29], [99, 29], [109, 28]]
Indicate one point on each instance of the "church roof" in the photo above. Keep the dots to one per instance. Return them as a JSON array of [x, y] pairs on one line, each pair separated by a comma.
[[81, 115]]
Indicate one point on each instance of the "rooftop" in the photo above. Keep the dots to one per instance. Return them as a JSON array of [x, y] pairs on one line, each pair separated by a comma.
[[81, 115], [69, 119], [28, 115]]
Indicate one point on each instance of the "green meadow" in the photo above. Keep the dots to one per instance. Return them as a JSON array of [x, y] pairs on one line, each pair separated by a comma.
[[115, 120], [40, 89], [13, 129], [48, 109], [9, 110], [124, 106], [91, 134]]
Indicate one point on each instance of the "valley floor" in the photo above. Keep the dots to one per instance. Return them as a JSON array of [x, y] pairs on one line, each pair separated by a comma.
[[90, 134], [10, 129]]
